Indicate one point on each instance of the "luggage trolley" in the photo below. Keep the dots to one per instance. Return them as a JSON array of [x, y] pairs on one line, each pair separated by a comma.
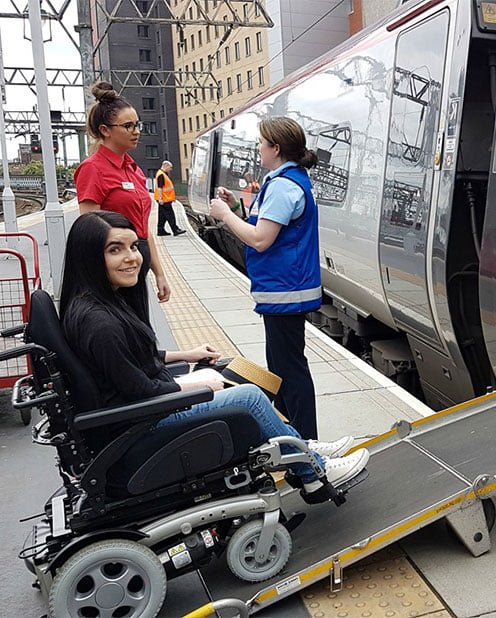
[[441, 466], [20, 276]]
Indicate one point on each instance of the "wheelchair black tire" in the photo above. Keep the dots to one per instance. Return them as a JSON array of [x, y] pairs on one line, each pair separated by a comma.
[[144, 566], [241, 549]]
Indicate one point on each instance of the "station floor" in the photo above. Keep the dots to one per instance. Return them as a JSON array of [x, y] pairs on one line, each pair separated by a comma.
[[427, 575]]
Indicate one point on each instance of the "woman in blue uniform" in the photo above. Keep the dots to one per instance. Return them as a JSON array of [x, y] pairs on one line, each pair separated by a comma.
[[282, 259]]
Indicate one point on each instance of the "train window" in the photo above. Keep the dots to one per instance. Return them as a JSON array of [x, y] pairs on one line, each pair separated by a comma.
[[331, 174]]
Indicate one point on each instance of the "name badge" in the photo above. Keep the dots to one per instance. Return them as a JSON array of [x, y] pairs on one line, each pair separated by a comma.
[[128, 185]]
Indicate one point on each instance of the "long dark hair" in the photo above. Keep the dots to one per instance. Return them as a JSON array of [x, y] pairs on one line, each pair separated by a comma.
[[290, 137], [85, 276]]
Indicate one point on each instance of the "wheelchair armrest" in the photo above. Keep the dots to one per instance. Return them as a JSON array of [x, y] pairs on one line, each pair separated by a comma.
[[178, 368], [13, 330], [160, 406], [30, 348]]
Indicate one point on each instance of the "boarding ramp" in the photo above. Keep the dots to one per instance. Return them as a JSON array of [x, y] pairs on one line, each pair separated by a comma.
[[440, 466]]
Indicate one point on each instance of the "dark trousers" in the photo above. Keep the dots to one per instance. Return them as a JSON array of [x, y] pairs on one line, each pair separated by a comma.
[[166, 215], [285, 352]]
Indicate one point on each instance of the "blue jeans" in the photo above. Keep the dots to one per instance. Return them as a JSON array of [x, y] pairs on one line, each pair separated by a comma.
[[259, 406]]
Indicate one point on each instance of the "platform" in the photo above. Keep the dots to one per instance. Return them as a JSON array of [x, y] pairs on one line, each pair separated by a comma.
[[211, 303]]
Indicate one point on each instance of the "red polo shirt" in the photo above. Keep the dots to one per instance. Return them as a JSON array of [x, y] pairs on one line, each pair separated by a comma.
[[115, 183]]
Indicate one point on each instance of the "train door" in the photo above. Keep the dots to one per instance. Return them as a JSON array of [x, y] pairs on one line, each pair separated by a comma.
[[408, 184]]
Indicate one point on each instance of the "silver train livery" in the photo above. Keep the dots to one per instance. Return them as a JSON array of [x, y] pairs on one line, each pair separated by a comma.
[[402, 119]]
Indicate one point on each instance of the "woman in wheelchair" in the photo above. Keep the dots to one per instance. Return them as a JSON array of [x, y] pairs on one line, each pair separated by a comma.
[[101, 309]]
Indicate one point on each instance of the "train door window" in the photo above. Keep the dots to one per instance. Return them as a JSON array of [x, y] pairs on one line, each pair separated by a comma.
[[407, 195], [331, 174]]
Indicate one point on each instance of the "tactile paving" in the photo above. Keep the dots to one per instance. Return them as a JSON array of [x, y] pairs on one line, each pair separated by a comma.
[[385, 589]]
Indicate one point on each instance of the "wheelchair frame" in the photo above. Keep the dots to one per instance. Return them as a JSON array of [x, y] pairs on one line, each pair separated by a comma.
[[184, 533]]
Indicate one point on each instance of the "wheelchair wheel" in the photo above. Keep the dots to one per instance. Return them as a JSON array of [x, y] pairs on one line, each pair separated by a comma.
[[108, 579], [240, 553], [26, 416]]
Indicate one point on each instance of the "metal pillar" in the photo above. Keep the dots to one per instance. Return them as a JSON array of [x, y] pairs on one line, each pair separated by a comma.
[[86, 49], [8, 198], [54, 214]]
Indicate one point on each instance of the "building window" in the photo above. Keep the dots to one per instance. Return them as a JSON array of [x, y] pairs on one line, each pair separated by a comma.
[[151, 152], [178, 50], [192, 38], [249, 79], [237, 54], [148, 103], [185, 147], [212, 91], [229, 85], [205, 120], [150, 128], [245, 12], [200, 43], [164, 137], [193, 67], [182, 101], [145, 55], [222, 113], [261, 80], [201, 64], [197, 121], [159, 62], [143, 31], [162, 110], [191, 148], [217, 59], [213, 116], [184, 125], [219, 89], [185, 43], [248, 46], [204, 96], [146, 78], [257, 10], [258, 37], [157, 36], [227, 52], [190, 123], [142, 6], [208, 34], [239, 83], [231, 109], [191, 12], [216, 31]]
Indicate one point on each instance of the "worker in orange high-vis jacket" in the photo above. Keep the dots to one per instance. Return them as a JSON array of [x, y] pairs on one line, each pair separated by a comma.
[[165, 196]]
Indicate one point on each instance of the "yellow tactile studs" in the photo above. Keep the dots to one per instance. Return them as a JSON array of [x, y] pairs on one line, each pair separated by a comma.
[[189, 321], [386, 589]]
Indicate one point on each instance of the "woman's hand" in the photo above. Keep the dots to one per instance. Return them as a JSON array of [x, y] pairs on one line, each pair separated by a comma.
[[227, 196], [219, 209], [202, 351], [163, 289], [215, 385]]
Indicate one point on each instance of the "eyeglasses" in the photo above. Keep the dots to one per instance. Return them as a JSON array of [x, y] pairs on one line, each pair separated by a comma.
[[129, 126]]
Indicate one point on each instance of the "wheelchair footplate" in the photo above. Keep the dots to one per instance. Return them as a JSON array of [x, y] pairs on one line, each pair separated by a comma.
[[440, 466]]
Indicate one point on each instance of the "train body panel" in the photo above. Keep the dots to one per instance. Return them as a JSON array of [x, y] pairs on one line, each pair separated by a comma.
[[396, 118]]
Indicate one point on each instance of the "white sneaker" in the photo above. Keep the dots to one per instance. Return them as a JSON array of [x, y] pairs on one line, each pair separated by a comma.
[[331, 449], [343, 469]]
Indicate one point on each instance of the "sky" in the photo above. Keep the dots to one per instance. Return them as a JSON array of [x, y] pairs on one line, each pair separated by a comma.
[[60, 52]]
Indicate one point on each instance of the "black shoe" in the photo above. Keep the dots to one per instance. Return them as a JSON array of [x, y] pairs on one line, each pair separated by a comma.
[[163, 233], [178, 232]]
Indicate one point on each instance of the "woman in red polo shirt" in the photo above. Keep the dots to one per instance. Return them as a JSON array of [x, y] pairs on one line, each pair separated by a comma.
[[110, 179]]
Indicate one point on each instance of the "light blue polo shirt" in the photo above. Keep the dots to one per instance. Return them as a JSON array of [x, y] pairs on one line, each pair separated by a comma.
[[284, 200]]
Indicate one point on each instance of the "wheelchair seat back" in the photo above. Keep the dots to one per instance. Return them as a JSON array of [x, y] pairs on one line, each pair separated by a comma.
[[44, 329]]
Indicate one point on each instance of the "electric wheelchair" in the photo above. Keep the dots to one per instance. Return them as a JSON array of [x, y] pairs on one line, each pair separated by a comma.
[[104, 547]]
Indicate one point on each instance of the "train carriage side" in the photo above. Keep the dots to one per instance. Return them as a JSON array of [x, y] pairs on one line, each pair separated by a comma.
[[397, 117]]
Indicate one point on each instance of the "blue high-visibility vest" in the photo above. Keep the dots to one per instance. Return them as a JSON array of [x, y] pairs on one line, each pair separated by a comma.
[[285, 278]]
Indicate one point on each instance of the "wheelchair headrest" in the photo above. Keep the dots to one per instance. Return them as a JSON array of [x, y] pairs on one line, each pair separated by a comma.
[[44, 329]]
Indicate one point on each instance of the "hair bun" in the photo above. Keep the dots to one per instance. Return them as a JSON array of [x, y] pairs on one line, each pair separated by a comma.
[[103, 91]]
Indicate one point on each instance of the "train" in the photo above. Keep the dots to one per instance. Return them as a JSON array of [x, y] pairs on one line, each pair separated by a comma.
[[401, 117]]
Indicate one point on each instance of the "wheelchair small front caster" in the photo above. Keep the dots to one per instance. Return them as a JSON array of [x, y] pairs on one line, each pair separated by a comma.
[[241, 549]]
